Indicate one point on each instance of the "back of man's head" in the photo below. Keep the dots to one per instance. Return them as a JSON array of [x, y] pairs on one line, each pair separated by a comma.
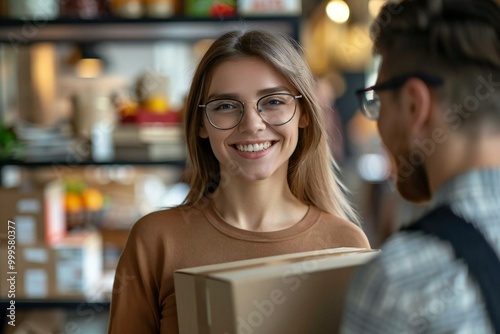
[[456, 40]]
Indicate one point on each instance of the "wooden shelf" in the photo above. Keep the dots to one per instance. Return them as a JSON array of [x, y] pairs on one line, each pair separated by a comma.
[[178, 28], [76, 305], [27, 304], [56, 163]]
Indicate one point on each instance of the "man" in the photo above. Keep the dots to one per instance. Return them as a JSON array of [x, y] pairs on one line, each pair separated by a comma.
[[437, 104]]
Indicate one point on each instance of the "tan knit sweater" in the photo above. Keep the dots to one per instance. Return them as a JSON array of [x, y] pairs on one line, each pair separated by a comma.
[[143, 298]]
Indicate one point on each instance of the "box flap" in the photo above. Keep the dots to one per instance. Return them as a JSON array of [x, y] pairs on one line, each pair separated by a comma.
[[258, 261]]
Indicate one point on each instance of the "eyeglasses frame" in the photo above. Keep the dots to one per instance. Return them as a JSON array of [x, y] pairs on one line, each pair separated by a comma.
[[395, 83], [295, 97]]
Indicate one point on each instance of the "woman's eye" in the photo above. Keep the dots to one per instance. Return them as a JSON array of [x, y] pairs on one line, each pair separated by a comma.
[[275, 102], [272, 103], [225, 106]]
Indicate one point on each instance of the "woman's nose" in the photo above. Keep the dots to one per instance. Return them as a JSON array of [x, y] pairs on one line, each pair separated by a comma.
[[251, 121]]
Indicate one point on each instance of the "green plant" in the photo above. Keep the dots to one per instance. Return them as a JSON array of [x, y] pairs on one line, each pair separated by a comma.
[[8, 143]]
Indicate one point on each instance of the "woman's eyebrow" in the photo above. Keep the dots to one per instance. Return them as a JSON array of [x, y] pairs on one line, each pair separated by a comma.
[[235, 96], [272, 90], [216, 96]]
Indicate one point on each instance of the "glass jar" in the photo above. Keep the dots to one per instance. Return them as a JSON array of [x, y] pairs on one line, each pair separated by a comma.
[[33, 9]]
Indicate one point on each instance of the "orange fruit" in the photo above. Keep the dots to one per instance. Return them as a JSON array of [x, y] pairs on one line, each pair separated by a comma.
[[156, 104], [73, 202], [92, 199]]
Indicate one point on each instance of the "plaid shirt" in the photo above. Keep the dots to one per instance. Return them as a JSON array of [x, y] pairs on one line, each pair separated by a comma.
[[416, 285]]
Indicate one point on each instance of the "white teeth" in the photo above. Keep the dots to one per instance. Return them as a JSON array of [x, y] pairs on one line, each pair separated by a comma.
[[254, 147]]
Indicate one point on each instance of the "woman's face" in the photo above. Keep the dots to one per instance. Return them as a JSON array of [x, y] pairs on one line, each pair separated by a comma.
[[253, 150]]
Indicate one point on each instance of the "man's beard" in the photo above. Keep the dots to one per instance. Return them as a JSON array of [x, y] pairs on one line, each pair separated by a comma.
[[413, 184]]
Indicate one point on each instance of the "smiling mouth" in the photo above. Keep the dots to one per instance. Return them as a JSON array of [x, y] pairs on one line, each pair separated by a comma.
[[254, 147]]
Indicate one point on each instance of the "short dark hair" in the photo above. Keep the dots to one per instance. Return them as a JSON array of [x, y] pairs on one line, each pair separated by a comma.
[[457, 40]]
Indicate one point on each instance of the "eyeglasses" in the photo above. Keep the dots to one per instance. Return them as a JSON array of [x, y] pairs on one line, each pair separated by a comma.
[[274, 109], [369, 101]]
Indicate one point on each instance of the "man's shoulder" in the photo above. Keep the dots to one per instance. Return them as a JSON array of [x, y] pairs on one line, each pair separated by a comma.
[[404, 282], [409, 256]]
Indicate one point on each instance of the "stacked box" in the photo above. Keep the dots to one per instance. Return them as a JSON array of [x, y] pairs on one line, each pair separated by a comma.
[[78, 264], [33, 276], [68, 269], [38, 213]]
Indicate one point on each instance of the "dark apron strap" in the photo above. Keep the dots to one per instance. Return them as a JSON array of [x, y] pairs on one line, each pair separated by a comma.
[[471, 246]]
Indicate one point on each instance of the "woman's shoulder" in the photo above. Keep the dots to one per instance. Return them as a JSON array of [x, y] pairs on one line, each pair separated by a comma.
[[350, 233], [161, 221]]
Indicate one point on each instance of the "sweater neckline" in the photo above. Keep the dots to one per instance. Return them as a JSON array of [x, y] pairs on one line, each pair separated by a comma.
[[217, 221]]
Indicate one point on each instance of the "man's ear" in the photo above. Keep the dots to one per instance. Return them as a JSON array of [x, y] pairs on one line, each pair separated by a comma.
[[203, 133], [303, 120], [417, 100]]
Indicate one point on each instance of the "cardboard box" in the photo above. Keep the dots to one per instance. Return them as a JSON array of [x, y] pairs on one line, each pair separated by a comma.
[[294, 294], [33, 276], [4, 284], [69, 269], [78, 264], [38, 213]]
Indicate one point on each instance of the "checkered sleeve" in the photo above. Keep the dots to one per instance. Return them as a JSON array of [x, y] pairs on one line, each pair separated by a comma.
[[372, 304]]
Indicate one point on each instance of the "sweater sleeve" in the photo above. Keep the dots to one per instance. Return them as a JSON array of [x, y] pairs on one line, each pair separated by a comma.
[[349, 234], [355, 237], [134, 302]]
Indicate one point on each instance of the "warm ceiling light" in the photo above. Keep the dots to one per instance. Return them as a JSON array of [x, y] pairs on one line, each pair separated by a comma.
[[338, 11], [374, 6], [87, 61]]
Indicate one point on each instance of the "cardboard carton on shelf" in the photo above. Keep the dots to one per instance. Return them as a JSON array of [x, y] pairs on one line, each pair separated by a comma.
[[32, 276], [67, 270], [78, 264], [38, 213], [294, 294]]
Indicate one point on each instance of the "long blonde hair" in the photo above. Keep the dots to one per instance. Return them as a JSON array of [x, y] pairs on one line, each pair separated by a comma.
[[311, 167]]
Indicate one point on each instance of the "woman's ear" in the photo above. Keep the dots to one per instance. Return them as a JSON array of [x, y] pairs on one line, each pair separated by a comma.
[[304, 120], [203, 133]]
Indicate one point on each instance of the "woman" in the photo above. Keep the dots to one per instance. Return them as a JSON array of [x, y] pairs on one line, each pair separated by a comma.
[[261, 179]]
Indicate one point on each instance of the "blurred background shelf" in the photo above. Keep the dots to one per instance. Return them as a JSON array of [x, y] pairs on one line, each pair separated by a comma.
[[178, 28], [34, 164], [47, 303], [58, 313]]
